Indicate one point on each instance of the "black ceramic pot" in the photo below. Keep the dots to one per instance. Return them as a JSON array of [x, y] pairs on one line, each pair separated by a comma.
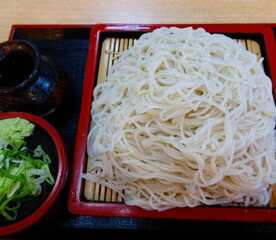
[[29, 82]]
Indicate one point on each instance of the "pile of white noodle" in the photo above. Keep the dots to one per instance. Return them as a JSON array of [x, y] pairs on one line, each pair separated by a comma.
[[184, 118]]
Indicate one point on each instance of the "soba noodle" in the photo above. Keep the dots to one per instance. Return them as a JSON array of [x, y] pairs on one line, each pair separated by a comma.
[[184, 118]]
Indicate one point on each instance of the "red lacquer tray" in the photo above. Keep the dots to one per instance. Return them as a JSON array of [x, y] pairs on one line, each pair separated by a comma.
[[77, 203]]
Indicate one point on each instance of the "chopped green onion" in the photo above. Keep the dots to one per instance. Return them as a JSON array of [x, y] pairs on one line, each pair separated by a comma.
[[22, 170]]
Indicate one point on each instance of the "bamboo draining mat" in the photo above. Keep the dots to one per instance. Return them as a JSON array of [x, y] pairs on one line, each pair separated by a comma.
[[111, 49]]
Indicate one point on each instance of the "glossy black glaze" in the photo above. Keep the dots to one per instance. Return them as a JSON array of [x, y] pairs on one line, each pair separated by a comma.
[[29, 82]]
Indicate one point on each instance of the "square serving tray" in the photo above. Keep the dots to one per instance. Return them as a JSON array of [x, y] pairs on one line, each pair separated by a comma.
[[107, 41]]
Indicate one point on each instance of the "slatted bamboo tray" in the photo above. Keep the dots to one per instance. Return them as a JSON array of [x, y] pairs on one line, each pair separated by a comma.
[[111, 49]]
